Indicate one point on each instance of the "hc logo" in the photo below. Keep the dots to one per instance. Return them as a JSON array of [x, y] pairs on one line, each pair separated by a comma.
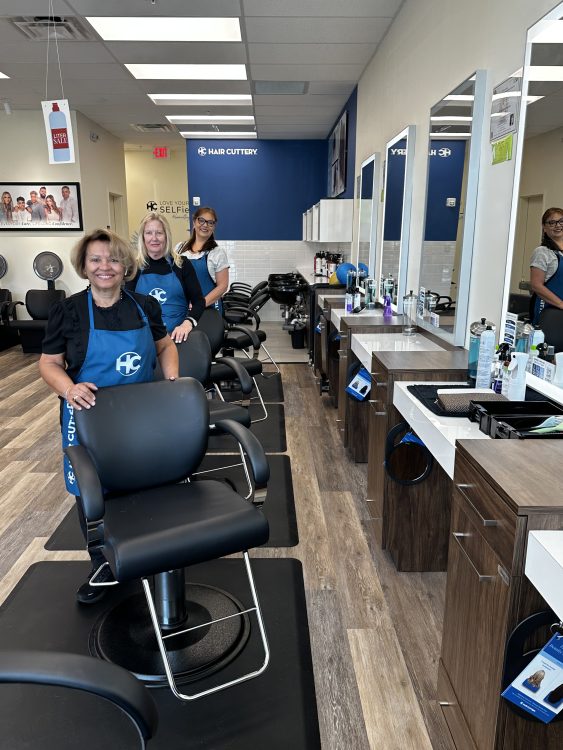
[[202, 151], [152, 206], [70, 477], [128, 363], [159, 294], [444, 152]]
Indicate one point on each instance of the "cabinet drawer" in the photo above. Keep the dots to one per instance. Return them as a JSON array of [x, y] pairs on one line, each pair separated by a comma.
[[494, 519], [452, 712]]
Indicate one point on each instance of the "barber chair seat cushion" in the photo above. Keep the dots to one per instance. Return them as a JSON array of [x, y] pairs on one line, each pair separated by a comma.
[[171, 527], [219, 410], [222, 372], [240, 340]]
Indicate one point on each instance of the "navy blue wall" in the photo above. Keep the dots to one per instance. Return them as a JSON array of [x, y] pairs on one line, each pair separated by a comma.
[[394, 190], [261, 194], [445, 174], [351, 107]]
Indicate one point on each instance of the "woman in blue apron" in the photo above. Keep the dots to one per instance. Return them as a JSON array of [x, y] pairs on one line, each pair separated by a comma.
[[207, 258], [167, 277], [546, 268], [102, 336]]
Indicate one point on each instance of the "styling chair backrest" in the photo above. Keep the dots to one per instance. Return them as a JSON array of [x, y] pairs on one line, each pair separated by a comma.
[[194, 357], [39, 301], [212, 324], [145, 434], [551, 323]]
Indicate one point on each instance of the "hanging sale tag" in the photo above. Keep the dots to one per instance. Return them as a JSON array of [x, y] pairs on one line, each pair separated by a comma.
[[58, 128]]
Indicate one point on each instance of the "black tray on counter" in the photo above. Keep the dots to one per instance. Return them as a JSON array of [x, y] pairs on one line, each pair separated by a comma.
[[519, 428], [484, 411]]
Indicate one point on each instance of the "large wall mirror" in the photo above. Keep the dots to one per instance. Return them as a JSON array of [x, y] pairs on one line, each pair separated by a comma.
[[456, 124], [367, 212], [394, 246], [538, 182]]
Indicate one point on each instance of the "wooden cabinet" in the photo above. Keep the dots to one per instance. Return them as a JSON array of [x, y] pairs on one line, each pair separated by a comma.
[[412, 522], [495, 503]]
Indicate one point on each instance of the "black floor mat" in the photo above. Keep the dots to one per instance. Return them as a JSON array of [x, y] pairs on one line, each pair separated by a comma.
[[270, 432], [276, 710], [271, 388], [279, 507]]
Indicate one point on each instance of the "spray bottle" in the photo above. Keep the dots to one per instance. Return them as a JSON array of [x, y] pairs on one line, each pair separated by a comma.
[[59, 134]]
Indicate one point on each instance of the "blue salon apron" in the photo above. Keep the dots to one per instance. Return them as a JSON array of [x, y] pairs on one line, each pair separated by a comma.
[[555, 285], [168, 292], [112, 358], [205, 280]]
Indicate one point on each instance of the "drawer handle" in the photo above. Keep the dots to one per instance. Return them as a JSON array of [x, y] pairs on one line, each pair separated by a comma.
[[484, 521], [457, 535], [378, 413], [446, 703]]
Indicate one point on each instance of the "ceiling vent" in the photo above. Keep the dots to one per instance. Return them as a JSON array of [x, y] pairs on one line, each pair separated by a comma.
[[152, 128], [42, 28], [275, 88]]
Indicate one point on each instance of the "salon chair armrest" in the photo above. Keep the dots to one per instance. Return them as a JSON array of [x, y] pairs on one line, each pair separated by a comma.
[[253, 449], [249, 332], [91, 495], [247, 311], [87, 674], [10, 310], [246, 384]]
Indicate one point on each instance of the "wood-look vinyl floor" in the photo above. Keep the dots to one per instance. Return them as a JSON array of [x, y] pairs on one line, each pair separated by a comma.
[[375, 633]]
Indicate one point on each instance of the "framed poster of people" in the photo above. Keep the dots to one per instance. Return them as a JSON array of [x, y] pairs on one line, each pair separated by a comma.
[[338, 151], [40, 206]]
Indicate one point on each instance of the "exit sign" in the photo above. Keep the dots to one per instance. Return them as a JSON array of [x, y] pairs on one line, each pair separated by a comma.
[[161, 152]]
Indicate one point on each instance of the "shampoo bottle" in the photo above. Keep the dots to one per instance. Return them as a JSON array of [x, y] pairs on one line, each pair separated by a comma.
[[59, 134], [485, 361]]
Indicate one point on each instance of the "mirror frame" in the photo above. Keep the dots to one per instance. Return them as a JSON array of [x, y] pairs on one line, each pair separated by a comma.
[[376, 159], [458, 336], [410, 134]]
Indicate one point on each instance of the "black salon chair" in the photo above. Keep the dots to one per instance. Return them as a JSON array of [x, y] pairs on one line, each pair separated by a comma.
[[140, 443], [86, 674], [239, 337], [38, 303], [8, 336], [551, 323], [212, 324]]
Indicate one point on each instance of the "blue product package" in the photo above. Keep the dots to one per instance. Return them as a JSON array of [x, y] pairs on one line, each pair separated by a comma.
[[360, 385], [538, 689]]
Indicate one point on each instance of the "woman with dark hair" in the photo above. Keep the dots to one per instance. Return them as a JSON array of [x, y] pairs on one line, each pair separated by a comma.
[[546, 269], [6, 207], [53, 214], [208, 259], [102, 336], [167, 277]]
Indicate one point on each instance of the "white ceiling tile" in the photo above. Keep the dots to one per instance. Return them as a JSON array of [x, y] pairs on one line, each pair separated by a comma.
[[178, 52], [306, 72], [36, 8], [282, 111], [334, 88], [310, 54], [322, 30], [324, 9], [31, 71], [297, 101], [69, 52]]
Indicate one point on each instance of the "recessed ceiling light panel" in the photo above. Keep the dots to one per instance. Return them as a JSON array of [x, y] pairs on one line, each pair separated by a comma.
[[217, 134], [167, 29], [165, 71], [201, 100], [211, 119], [3, 75]]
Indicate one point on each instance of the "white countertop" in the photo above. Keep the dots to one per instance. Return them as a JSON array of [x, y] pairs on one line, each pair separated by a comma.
[[309, 275], [322, 298], [544, 566], [437, 433], [364, 344], [336, 315]]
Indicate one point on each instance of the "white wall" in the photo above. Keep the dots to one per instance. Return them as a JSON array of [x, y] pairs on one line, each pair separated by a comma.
[[99, 169], [431, 47]]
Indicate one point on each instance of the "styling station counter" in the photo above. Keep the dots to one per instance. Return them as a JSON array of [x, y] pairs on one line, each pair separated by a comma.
[[503, 502], [316, 285]]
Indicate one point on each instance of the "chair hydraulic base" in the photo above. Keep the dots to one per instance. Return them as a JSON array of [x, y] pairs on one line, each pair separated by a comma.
[[125, 636], [217, 622]]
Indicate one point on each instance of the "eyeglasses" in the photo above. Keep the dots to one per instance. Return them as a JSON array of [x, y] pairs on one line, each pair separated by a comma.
[[554, 222], [202, 222]]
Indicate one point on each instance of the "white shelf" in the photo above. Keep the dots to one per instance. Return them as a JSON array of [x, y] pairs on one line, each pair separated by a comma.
[[544, 566]]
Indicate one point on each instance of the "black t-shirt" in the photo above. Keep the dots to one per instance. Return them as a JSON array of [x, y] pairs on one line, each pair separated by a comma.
[[69, 324], [187, 277]]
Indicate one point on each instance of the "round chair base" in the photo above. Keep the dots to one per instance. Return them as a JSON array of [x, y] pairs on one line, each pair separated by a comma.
[[124, 635]]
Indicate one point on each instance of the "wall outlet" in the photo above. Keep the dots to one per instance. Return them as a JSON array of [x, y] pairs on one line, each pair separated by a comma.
[[196, 200], [450, 202]]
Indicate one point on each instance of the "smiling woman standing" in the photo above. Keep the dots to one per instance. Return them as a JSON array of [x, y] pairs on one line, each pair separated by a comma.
[[208, 259], [165, 275], [102, 336], [546, 269]]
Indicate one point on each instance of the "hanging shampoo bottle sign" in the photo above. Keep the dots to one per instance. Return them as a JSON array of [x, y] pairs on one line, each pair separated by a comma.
[[58, 129]]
